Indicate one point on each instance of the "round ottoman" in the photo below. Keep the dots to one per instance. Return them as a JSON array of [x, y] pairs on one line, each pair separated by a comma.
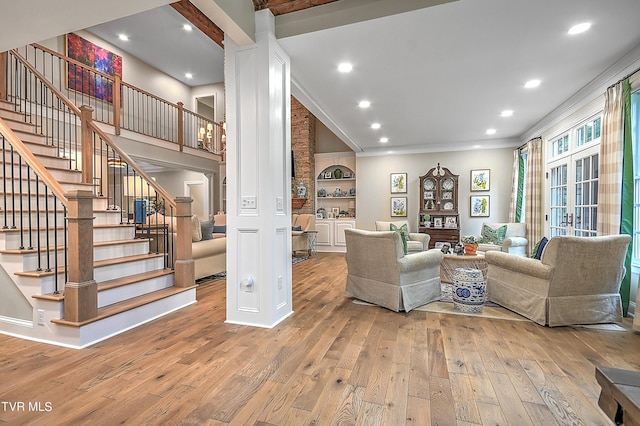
[[468, 290]]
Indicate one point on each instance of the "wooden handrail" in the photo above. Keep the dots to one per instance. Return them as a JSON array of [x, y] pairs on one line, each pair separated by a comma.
[[46, 82], [71, 61], [37, 167], [151, 95], [123, 155]]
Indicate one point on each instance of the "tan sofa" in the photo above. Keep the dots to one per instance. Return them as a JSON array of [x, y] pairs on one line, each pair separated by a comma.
[[515, 241], [209, 253], [417, 242], [307, 222], [577, 281], [379, 272]]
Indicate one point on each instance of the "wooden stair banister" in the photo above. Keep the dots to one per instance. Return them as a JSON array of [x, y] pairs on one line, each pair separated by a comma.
[[37, 167]]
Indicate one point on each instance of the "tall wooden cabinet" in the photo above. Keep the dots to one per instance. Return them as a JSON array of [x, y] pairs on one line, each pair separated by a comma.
[[438, 214]]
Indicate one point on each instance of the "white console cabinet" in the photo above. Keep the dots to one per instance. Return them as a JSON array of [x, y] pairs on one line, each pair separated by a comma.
[[331, 234]]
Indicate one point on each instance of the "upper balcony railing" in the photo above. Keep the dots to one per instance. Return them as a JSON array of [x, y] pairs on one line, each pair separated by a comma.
[[122, 105]]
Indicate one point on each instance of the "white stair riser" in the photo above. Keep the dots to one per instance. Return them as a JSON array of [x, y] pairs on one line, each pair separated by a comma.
[[100, 218], [60, 175], [36, 148], [16, 124], [14, 240], [119, 294], [100, 203], [30, 260], [23, 220], [49, 160], [112, 272]]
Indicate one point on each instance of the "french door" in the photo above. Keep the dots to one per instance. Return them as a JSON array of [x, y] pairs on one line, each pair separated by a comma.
[[573, 194]]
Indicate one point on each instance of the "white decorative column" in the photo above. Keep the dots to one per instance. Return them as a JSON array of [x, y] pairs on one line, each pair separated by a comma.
[[258, 109]]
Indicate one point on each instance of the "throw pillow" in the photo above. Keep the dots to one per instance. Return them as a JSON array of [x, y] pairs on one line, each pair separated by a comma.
[[541, 244], [296, 228], [196, 231], [207, 230], [494, 236], [404, 235], [219, 229]]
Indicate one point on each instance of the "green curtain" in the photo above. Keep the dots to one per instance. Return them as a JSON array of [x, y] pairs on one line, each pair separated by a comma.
[[520, 187], [626, 224]]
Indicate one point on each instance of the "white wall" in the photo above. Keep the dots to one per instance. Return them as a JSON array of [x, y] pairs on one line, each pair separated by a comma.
[[217, 90], [373, 185]]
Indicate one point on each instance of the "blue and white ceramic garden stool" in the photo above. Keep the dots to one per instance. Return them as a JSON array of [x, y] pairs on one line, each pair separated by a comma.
[[469, 290]]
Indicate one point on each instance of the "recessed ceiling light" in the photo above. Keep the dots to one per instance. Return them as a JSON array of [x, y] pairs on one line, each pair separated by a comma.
[[476, 146], [375, 126], [506, 113], [123, 37], [188, 75], [491, 131], [532, 83], [345, 67], [384, 140], [364, 104], [187, 27], [579, 28]]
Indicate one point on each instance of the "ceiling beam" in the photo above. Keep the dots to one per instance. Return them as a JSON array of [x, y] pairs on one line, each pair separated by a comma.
[[200, 20], [342, 12], [280, 7]]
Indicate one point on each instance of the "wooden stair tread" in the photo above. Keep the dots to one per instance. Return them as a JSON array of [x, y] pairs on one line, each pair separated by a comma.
[[96, 264], [126, 305]]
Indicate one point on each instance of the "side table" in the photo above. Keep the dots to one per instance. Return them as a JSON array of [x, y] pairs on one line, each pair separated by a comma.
[[453, 261], [312, 239]]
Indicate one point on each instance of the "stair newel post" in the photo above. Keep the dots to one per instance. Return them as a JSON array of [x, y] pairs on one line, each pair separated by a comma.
[[117, 103], [3, 76], [86, 116], [181, 125], [81, 291], [184, 267]]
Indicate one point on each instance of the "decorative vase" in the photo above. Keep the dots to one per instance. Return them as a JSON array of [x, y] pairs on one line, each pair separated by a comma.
[[470, 249], [468, 290], [337, 174]]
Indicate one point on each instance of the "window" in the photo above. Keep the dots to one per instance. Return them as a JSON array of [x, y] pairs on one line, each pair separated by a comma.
[[572, 184], [560, 146]]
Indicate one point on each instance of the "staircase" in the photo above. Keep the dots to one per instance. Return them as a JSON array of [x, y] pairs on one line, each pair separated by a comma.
[[134, 286]]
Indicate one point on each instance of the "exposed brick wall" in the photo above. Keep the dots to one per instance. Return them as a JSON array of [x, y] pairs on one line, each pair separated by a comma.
[[303, 144]]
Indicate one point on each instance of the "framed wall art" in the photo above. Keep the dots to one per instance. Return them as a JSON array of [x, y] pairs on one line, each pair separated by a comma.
[[479, 206], [398, 183], [480, 180], [437, 222], [398, 206], [100, 59]]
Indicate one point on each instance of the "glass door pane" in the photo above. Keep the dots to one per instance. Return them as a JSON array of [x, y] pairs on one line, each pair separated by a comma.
[[558, 200], [586, 196]]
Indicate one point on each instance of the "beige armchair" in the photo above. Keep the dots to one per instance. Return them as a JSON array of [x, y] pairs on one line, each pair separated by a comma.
[[577, 281], [515, 241], [299, 240], [417, 242], [379, 272]]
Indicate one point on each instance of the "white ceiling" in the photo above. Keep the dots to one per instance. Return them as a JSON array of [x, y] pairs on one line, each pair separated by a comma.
[[437, 78]]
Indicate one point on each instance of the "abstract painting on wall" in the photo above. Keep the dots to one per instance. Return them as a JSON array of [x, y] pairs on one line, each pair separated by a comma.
[[86, 81]]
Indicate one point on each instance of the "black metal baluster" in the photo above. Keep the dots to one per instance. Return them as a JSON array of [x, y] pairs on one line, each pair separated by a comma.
[[38, 223], [4, 182], [29, 208], [20, 203]]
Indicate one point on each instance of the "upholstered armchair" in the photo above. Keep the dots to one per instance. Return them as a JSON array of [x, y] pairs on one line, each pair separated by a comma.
[[416, 242], [300, 223], [506, 237], [577, 281], [379, 272]]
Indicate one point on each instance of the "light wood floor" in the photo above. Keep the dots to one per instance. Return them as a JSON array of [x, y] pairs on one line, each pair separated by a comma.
[[332, 362]]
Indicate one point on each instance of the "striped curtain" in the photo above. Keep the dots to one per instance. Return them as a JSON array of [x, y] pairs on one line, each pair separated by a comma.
[[513, 203], [534, 200], [611, 156]]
